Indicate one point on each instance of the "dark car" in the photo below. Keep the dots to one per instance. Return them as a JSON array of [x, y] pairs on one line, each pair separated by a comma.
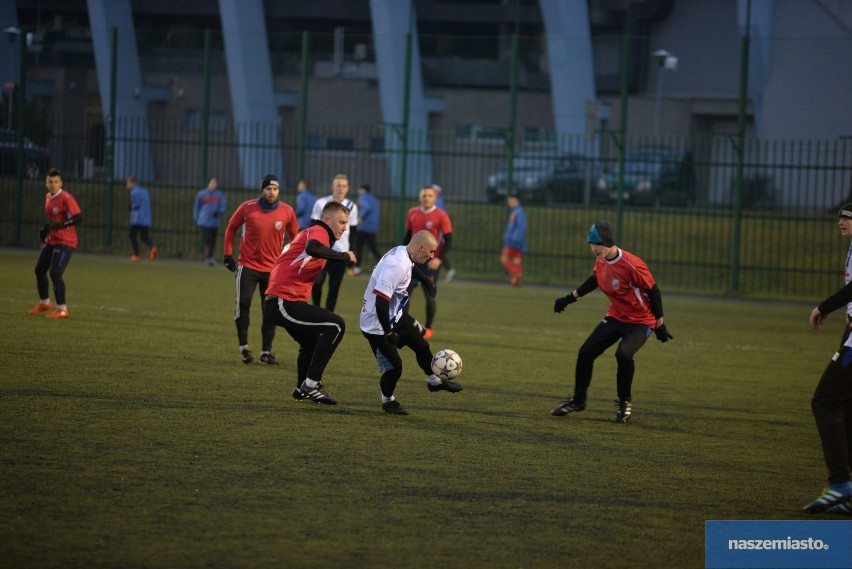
[[541, 177], [653, 175], [36, 158]]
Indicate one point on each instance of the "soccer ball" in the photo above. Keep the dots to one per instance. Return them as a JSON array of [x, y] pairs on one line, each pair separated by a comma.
[[446, 364]]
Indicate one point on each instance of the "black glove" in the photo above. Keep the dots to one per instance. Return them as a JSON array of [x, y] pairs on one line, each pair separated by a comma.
[[229, 263], [663, 334], [393, 337], [562, 302], [44, 232]]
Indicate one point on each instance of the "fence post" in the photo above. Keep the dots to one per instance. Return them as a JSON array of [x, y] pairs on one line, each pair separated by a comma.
[[621, 140], [513, 112], [205, 110], [406, 95], [113, 81], [303, 106], [21, 96], [738, 184]]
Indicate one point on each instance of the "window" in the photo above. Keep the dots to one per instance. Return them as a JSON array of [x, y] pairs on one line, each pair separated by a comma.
[[538, 137], [192, 120], [377, 145], [323, 143], [480, 134]]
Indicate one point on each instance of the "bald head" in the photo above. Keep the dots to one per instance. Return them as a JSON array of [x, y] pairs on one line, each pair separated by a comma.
[[422, 246]]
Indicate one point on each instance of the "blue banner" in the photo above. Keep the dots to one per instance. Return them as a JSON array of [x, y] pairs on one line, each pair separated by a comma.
[[778, 544]]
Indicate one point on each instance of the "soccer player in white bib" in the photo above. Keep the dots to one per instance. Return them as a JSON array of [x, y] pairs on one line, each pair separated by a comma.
[[336, 269], [832, 400], [387, 327]]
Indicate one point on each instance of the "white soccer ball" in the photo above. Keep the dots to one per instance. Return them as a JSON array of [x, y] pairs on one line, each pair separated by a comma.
[[446, 364]]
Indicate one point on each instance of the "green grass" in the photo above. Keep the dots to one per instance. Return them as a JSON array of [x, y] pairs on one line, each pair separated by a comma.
[[132, 435]]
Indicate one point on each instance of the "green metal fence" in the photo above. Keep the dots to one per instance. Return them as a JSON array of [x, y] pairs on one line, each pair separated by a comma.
[[721, 214], [788, 245]]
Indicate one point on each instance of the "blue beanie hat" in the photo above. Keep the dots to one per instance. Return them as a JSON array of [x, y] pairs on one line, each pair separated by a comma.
[[601, 233]]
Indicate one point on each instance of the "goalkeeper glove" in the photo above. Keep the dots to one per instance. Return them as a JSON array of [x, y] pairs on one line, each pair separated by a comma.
[[662, 333], [229, 263], [44, 232], [562, 302]]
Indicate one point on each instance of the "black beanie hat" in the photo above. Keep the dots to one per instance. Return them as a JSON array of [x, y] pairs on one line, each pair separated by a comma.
[[269, 180], [845, 211], [601, 233]]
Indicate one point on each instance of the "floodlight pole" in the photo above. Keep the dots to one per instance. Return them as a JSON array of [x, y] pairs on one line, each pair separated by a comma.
[[666, 61]]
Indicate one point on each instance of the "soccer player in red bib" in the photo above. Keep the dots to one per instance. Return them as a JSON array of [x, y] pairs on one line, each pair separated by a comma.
[[436, 221], [59, 236], [265, 222], [317, 331], [635, 310]]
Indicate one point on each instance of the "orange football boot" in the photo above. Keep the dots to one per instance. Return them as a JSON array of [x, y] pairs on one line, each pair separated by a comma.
[[58, 313], [39, 308]]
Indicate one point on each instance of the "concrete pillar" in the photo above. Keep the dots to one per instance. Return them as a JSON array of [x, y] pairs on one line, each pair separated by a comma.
[[392, 20], [132, 147], [253, 99], [572, 75]]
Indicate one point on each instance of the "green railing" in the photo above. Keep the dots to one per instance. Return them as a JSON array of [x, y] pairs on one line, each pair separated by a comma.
[[724, 214], [789, 245]]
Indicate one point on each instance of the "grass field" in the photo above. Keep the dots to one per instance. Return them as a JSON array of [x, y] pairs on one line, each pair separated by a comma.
[[132, 435]]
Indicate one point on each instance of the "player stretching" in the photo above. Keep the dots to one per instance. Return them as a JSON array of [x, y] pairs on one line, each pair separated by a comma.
[[318, 331], [635, 310], [388, 328], [436, 221], [265, 221], [60, 239]]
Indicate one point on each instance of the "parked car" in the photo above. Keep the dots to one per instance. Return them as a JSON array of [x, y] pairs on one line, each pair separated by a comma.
[[36, 158], [541, 177], [653, 175]]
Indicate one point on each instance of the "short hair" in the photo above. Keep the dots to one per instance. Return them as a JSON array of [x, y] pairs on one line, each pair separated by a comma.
[[131, 179], [340, 177], [365, 186], [54, 173], [333, 206]]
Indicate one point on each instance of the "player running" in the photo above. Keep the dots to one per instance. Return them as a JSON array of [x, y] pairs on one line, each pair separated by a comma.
[[635, 310], [265, 221], [387, 328], [436, 221], [318, 331]]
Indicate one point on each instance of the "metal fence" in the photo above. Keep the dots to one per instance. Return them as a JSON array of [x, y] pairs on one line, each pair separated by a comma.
[[781, 243], [718, 214]]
